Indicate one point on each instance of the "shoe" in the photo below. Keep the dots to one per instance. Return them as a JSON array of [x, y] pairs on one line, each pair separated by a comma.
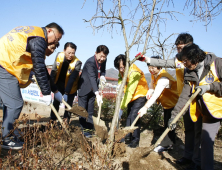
[[161, 148], [87, 134], [193, 166], [127, 140], [9, 143], [134, 143], [18, 140], [183, 161]]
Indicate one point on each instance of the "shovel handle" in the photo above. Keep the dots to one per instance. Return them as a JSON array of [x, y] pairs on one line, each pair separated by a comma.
[[66, 104], [177, 117], [54, 110], [99, 112], [134, 122]]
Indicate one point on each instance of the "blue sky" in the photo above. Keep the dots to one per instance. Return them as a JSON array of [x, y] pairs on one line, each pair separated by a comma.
[[70, 14]]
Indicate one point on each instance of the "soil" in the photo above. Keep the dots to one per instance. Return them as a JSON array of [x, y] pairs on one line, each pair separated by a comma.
[[78, 110], [90, 153]]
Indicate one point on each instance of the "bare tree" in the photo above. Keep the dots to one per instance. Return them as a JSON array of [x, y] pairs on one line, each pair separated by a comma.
[[204, 10], [138, 19]]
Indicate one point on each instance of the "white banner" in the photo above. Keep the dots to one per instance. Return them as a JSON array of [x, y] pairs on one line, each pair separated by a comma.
[[33, 94]]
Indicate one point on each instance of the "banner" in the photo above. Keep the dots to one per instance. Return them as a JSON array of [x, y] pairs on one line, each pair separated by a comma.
[[33, 94]]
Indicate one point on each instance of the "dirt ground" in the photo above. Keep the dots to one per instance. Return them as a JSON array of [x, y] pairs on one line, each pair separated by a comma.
[[127, 158]]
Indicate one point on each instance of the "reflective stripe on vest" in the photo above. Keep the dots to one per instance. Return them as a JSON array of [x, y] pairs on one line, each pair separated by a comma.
[[59, 61], [212, 102], [169, 96], [14, 56]]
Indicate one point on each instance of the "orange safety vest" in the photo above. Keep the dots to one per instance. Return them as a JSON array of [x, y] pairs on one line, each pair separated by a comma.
[[59, 61], [142, 86], [13, 53], [169, 96], [212, 102], [180, 75]]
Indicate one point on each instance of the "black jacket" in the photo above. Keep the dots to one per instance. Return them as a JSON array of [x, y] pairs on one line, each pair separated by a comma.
[[72, 77], [89, 78], [215, 87], [37, 46]]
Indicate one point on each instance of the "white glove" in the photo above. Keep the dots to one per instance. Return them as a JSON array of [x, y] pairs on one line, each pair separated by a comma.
[[58, 96], [149, 93], [120, 113], [142, 111], [98, 98], [102, 81], [65, 97], [47, 99]]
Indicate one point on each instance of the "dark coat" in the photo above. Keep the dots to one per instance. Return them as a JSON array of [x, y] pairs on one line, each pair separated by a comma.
[[37, 46], [89, 78]]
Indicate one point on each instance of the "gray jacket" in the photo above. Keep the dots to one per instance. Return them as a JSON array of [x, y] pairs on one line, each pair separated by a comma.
[[215, 87]]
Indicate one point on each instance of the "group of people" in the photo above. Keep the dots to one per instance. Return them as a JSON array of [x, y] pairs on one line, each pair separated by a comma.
[[195, 69], [23, 51]]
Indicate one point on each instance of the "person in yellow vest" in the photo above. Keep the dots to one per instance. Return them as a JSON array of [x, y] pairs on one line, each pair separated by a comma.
[[190, 155], [163, 90], [134, 98], [203, 70], [22, 50], [65, 77]]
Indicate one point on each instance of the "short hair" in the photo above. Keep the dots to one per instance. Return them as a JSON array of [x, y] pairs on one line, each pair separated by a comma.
[[56, 26], [117, 60], [70, 44], [184, 38], [193, 53], [157, 57], [102, 48]]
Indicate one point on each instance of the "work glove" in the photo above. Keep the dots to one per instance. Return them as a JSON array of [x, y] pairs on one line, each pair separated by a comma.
[[142, 111], [204, 89], [120, 113], [98, 98], [65, 97], [171, 126], [142, 57], [58, 96], [47, 99], [102, 81], [149, 93]]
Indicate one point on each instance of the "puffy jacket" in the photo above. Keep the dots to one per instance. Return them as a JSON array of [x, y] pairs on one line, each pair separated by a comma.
[[37, 47]]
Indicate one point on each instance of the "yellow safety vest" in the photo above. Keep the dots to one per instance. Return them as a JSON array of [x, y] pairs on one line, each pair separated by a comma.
[[180, 75], [169, 96], [142, 86], [13, 53], [212, 102], [59, 61]]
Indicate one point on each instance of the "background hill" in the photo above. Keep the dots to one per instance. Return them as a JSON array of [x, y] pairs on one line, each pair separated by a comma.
[[113, 73]]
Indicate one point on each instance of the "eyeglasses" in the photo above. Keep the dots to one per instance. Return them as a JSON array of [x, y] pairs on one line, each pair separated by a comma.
[[56, 39]]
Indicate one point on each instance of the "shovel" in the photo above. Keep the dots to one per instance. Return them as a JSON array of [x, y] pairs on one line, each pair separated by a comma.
[[173, 122], [123, 132], [100, 126], [54, 110], [76, 109]]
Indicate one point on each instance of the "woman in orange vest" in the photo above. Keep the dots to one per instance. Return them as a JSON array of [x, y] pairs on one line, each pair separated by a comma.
[[203, 70], [65, 77], [134, 98], [163, 90]]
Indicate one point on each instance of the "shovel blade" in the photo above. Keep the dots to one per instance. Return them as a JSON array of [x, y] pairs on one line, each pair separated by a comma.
[[78, 110]]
